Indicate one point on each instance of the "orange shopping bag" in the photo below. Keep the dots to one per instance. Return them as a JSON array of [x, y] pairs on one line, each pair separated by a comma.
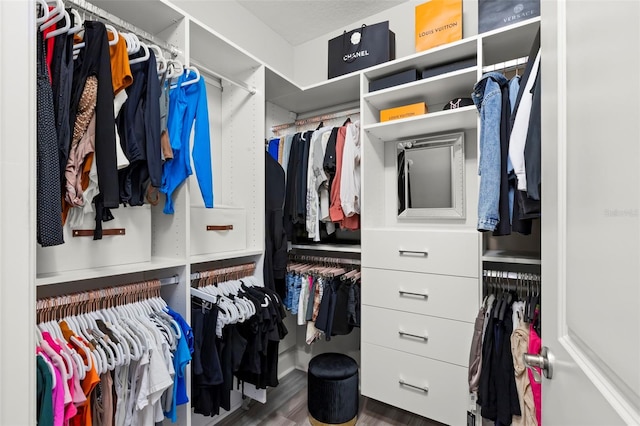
[[438, 22]]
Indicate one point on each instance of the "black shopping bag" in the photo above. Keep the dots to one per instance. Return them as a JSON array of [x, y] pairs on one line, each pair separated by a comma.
[[494, 14], [361, 48]]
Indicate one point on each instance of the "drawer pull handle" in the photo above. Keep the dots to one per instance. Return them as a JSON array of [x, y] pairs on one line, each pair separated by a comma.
[[417, 336], [219, 227], [90, 232], [413, 252], [409, 293], [424, 389]]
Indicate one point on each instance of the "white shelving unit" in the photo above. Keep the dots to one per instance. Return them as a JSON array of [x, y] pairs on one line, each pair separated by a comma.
[[236, 124], [430, 254], [509, 256], [431, 123]]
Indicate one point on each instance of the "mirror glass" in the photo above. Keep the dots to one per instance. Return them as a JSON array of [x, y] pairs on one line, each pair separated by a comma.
[[431, 177]]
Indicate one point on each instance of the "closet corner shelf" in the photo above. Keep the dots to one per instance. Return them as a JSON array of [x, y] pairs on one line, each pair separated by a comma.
[[436, 90], [212, 257], [508, 256], [434, 122], [339, 248], [446, 53], [156, 263], [509, 42]]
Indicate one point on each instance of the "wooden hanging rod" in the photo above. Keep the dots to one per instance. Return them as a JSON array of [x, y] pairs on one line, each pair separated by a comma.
[[324, 259], [124, 25], [248, 268], [316, 119], [104, 297]]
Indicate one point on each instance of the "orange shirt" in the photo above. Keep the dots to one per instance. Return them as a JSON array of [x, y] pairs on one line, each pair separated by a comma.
[[121, 76]]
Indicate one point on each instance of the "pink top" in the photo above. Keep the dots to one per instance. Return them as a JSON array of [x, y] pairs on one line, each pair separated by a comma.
[[535, 344]]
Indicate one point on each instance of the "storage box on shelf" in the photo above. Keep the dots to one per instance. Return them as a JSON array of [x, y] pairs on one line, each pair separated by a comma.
[[218, 230], [126, 239]]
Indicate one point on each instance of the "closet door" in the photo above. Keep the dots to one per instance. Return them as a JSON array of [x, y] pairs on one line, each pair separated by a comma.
[[591, 220]]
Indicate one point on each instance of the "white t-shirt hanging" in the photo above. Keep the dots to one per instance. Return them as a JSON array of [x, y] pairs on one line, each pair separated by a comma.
[[350, 183]]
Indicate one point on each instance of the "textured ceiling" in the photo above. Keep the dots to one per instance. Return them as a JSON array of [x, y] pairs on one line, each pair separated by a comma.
[[299, 21]]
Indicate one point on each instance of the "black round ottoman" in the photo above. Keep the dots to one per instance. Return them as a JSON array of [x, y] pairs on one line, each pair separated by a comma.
[[332, 391]]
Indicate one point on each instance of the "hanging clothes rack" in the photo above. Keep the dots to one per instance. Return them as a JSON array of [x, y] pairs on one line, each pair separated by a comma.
[[101, 298], [511, 281], [507, 66], [324, 259], [316, 119], [250, 89], [124, 26], [227, 272]]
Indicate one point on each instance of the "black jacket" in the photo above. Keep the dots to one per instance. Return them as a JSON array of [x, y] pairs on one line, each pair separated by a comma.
[[275, 264], [94, 59], [139, 129]]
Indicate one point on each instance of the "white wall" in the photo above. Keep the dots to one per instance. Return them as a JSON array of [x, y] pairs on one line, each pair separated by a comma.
[[17, 213], [310, 65], [238, 25]]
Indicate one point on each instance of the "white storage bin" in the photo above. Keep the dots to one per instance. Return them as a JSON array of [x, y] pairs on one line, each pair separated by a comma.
[[126, 239], [218, 230]]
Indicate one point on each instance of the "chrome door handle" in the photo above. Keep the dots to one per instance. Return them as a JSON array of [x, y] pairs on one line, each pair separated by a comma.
[[410, 293], [544, 361], [417, 336], [424, 389], [424, 253]]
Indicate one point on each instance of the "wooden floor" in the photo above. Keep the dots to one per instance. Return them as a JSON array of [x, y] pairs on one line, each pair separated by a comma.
[[287, 406]]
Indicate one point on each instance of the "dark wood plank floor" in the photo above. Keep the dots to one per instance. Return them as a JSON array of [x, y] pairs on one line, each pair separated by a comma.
[[287, 406]]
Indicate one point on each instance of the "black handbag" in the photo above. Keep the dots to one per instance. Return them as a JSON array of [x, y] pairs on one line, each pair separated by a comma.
[[494, 14], [361, 48]]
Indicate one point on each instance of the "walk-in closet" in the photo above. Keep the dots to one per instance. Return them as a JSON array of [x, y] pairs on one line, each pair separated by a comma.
[[203, 222]]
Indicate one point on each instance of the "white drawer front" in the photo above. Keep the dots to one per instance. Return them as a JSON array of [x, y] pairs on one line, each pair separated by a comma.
[[433, 251], [446, 398], [83, 252], [217, 230], [442, 339], [429, 294]]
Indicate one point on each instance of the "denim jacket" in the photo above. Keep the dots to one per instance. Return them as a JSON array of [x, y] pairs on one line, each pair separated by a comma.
[[487, 97]]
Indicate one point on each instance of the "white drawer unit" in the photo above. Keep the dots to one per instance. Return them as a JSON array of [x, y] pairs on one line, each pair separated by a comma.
[[433, 389], [218, 230], [429, 294], [437, 338], [126, 239], [444, 252]]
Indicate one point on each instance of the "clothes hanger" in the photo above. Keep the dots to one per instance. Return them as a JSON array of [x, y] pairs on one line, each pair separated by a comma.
[[161, 60], [44, 8], [78, 23], [143, 58], [64, 30], [175, 68], [116, 35], [133, 43], [188, 82], [55, 15]]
